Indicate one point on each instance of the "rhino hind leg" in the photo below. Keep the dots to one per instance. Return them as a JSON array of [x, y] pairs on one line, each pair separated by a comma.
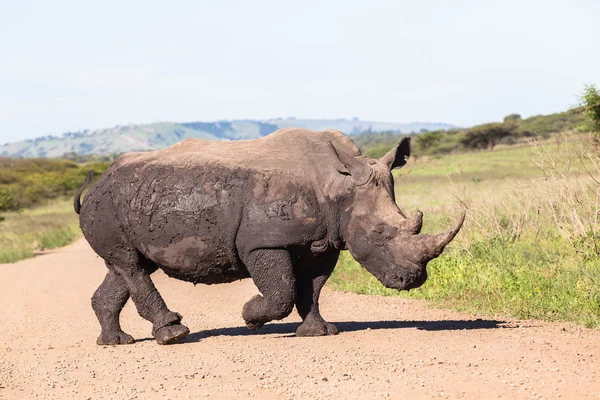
[[273, 274], [311, 275], [135, 271], [107, 302]]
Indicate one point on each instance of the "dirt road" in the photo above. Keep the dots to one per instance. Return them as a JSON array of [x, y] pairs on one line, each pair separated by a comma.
[[389, 347]]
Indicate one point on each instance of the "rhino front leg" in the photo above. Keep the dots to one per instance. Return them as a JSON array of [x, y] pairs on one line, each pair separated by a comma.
[[166, 326], [311, 275], [273, 274], [107, 302]]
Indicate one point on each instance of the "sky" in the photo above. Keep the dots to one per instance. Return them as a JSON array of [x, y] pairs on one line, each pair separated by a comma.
[[75, 65]]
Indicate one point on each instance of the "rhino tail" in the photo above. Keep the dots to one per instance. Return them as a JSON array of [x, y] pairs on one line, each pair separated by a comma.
[[77, 200]]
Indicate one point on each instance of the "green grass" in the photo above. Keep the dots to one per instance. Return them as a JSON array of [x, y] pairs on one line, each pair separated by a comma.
[[516, 280], [49, 226], [535, 274]]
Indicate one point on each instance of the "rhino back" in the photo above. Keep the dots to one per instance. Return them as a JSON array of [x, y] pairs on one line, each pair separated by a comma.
[[295, 152]]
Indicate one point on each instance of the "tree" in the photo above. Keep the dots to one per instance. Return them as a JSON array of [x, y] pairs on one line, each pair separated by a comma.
[[487, 136], [589, 104], [7, 201], [512, 117], [429, 139]]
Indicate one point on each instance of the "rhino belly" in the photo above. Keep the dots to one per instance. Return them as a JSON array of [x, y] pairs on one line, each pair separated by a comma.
[[195, 259]]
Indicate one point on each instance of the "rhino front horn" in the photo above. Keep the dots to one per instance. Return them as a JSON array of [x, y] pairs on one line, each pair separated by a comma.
[[443, 239], [446, 237]]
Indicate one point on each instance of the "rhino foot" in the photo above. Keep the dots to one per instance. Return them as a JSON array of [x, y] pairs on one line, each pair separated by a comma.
[[171, 333], [112, 338], [317, 329], [254, 325]]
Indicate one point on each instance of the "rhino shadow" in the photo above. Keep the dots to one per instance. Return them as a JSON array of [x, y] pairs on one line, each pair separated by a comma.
[[287, 329]]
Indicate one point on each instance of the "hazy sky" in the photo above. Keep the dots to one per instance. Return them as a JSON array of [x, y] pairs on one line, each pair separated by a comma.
[[72, 65]]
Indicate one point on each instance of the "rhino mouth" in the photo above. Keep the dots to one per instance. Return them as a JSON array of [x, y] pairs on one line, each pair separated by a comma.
[[404, 280]]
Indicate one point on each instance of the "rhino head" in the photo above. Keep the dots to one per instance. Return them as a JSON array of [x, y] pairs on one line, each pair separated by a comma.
[[375, 231]]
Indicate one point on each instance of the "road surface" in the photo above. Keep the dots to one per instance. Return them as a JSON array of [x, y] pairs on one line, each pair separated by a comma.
[[388, 348]]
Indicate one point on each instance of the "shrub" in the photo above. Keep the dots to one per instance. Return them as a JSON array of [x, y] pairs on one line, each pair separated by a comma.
[[589, 105], [487, 136], [7, 201], [29, 182]]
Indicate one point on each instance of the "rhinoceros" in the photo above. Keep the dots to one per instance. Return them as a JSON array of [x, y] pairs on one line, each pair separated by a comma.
[[278, 209]]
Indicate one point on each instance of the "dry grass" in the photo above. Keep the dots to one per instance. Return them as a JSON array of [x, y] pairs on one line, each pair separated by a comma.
[[22, 233]]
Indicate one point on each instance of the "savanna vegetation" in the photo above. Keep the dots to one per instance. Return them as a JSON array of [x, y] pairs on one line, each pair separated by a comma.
[[36, 211], [512, 130], [26, 183], [26, 232]]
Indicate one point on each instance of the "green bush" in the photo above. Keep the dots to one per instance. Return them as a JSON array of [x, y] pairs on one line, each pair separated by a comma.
[[589, 104], [29, 182], [487, 136], [7, 201]]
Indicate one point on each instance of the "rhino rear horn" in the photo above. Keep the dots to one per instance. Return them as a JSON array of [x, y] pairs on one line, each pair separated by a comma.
[[413, 224]]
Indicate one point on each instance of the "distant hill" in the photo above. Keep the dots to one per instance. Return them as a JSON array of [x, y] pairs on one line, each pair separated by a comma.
[[376, 144], [121, 139], [546, 125]]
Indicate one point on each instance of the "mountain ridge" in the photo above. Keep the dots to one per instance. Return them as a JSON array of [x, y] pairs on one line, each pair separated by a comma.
[[153, 136]]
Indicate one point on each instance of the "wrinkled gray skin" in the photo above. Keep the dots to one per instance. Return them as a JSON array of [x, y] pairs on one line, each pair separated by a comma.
[[277, 209]]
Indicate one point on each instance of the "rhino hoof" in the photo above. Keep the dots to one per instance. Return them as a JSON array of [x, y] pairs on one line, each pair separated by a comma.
[[171, 333], [322, 329], [114, 338], [253, 325]]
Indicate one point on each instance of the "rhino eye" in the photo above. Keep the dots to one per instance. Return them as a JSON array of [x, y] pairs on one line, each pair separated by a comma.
[[382, 233]]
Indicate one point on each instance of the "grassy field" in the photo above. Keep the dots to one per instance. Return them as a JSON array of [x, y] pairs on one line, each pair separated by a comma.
[[36, 203], [43, 227], [519, 254]]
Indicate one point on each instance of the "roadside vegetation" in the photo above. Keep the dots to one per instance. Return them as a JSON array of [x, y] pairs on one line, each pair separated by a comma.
[[29, 182], [36, 204], [27, 232]]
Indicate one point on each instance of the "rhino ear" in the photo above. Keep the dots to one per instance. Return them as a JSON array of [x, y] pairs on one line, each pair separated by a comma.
[[339, 166], [396, 157], [349, 165]]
